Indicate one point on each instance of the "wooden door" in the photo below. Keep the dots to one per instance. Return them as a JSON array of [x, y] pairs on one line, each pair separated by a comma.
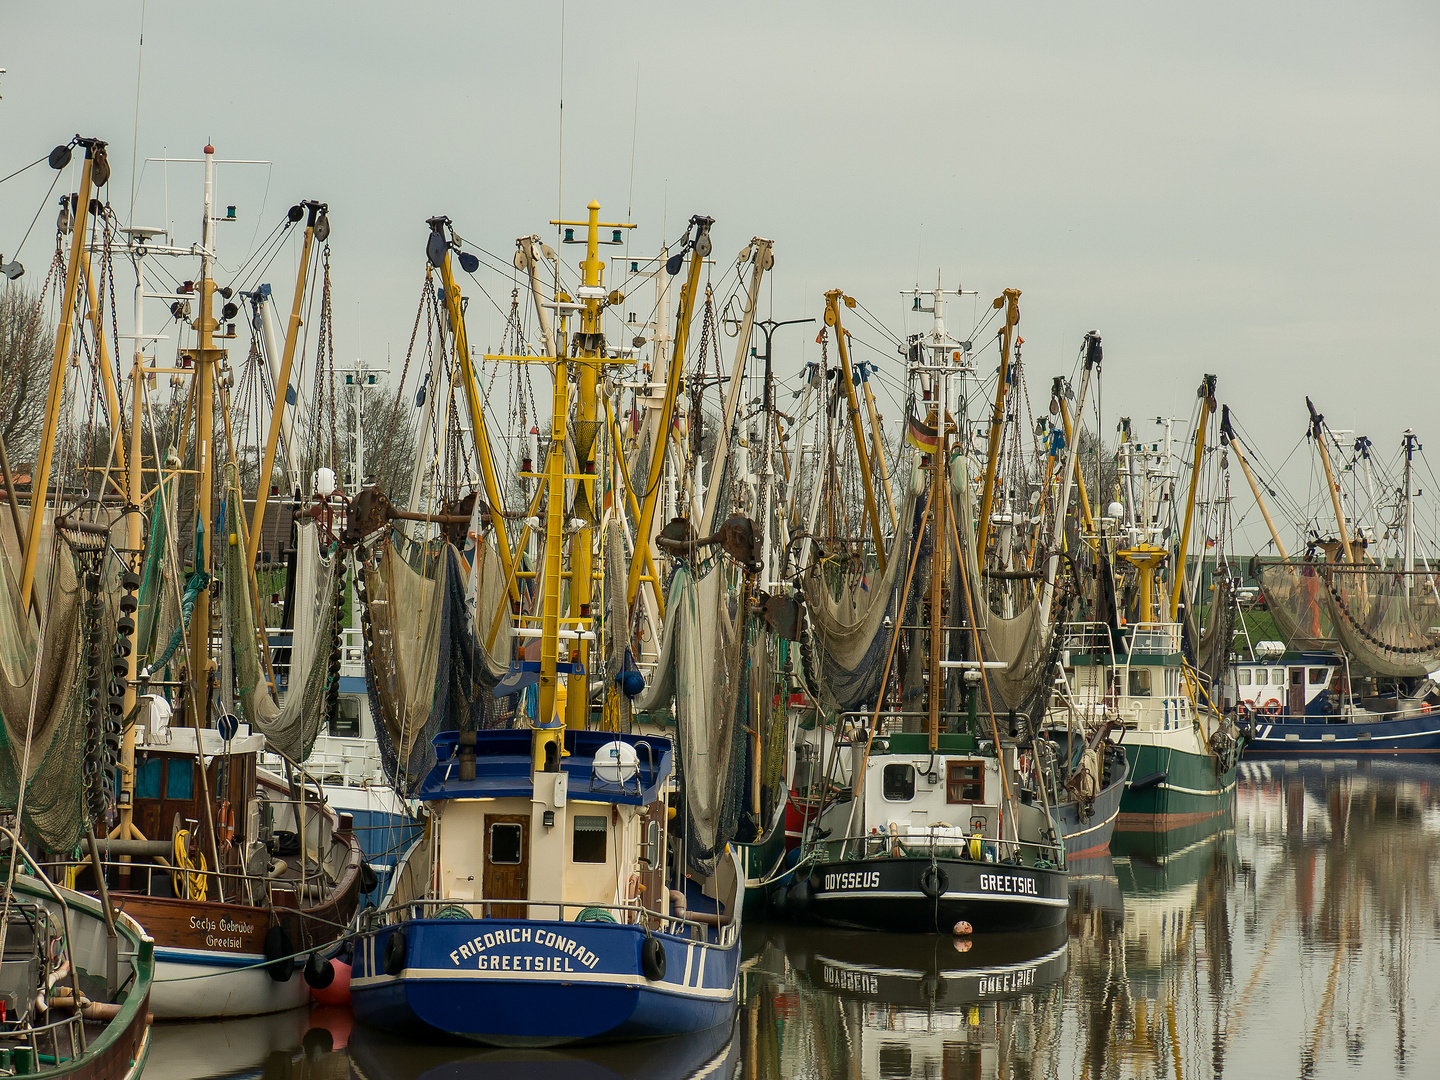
[[507, 864], [1297, 692]]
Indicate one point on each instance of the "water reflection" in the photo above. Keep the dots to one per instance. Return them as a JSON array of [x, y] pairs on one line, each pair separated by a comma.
[[1299, 936]]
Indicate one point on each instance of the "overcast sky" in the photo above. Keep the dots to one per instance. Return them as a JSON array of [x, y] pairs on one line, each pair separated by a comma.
[[1246, 189]]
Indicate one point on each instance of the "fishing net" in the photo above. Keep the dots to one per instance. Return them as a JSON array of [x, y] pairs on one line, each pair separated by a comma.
[[425, 671], [1021, 641], [49, 673], [703, 666], [1389, 622], [1294, 596], [848, 611], [312, 695]]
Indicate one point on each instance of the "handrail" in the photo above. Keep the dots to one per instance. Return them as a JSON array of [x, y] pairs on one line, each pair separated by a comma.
[[922, 840], [385, 913]]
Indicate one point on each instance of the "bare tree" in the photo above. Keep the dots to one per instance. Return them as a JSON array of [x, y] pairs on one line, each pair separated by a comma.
[[27, 350]]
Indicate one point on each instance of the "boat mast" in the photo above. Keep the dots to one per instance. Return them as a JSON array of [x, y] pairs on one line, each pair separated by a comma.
[[1009, 300], [660, 444], [96, 170], [832, 318], [316, 222], [206, 356], [478, 432], [1409, 540], [1228, 438], [1207, 406], [762, 258], [1317, 431], [1093, 356]]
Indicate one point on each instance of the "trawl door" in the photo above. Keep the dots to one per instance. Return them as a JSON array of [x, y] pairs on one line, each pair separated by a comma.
[[507, 864]]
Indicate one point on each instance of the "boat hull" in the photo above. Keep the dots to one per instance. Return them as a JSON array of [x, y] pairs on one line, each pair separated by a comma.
[[1412, 735], [194, 984], [886, 894], [516, 982], [1087, 836], [1189, 789]]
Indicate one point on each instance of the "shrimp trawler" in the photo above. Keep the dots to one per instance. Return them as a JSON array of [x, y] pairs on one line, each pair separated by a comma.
[[235, 872], [562, 891], [1355, 680], [1132, 667], [945, 823]]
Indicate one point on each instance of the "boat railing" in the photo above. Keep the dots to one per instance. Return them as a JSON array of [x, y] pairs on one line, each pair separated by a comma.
[[1154, 639], [955, 843], [137, 878], [696, 925], [1088, 637], [71, 1028]]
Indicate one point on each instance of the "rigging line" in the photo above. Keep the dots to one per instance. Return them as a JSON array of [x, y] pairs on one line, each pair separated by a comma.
[[38, 212], [876, 322], [37, 161], [255, 253]]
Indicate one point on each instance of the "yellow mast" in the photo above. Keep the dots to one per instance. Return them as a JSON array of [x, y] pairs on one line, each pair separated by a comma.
[[591, 344], [940, 501], [1228, 438], [1207, 406], [95, 162], [316, 219], [883, 467], [465, 366], [832, 318], [1010, 301], [699, 249]]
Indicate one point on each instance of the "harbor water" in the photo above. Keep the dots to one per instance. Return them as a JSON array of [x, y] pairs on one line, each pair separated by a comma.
[[1299, 936]]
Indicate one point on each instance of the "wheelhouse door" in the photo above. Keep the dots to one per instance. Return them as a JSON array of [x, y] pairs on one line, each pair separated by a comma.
[[1297, 692], [507, 864]]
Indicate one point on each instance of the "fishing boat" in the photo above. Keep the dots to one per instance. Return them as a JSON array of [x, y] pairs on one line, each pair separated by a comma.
[[940, 829], [1353, 676], [563, 892], [236, 872], [1135, 667]]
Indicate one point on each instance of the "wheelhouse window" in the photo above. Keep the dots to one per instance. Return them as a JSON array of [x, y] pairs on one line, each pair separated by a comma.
[[1317, 676], [1140, 682], [506, 840], [589, 838], [1243, 677], [965, 782], [899, 783], [346, 720]]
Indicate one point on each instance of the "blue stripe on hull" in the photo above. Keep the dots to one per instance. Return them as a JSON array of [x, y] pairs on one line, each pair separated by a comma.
[[557, 983], [1413, 735]]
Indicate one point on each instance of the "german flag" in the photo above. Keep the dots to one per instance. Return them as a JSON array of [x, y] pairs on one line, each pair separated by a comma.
[[922, 434]]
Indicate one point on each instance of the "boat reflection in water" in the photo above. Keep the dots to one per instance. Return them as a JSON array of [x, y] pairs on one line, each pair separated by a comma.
[[850, 1003]]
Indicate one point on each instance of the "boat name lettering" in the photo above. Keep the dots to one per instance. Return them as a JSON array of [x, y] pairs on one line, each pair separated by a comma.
[[225, 926], [569, 950], [1010, 981], [1008, 883], [857, 981], [869, 879]]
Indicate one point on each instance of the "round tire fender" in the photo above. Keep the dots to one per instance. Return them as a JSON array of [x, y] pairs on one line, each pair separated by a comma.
[[368, 878], [279, 950], [319, 972], [395, 953], [652, 959], [934, 881]]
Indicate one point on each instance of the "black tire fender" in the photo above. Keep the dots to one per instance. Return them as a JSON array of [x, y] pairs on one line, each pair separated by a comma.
[[368, 878], [319, 972], [652, 959], [934, 881], [279, 950], [395, 953]]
